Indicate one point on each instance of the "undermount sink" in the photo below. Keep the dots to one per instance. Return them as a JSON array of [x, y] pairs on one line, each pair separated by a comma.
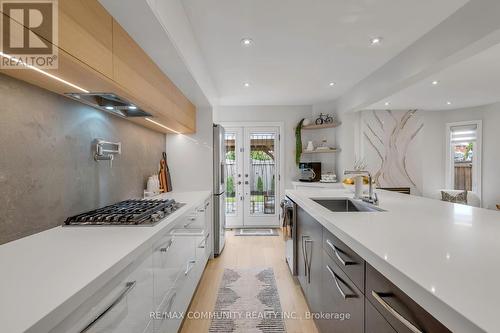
[[347, 205]]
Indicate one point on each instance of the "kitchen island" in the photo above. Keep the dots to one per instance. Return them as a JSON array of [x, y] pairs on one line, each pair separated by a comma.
[[54, 275], [443, 256]]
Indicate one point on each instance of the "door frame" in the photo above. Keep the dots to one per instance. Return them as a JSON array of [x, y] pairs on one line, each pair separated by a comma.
[[282, 144]]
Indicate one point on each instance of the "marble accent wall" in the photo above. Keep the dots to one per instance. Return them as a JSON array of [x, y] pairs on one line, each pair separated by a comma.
[[391, 147]]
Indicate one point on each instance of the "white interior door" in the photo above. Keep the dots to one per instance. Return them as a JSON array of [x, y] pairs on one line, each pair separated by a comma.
[[252, 176]]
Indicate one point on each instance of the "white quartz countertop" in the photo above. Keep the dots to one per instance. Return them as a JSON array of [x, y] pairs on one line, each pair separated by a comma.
[[46, 276], [445, 256]]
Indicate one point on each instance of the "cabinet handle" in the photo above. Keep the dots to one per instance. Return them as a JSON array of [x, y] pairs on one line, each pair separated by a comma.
[[336, 251], [189, 266], [308, 261], [166, 248], [128, 287], [395, 314], [203, 243], [304, 254], [335, 279], [192, 219], [170, 302]]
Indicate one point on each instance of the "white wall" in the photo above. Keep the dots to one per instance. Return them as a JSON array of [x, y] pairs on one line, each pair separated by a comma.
[[347, 135], [434, 143], [430, 145], [290, 115], [190, 156]]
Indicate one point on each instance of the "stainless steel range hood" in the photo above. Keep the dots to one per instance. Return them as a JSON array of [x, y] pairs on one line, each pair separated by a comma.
[[111, 103]]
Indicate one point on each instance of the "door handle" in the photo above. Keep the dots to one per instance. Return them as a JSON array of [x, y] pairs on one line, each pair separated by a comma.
[[394, 313]]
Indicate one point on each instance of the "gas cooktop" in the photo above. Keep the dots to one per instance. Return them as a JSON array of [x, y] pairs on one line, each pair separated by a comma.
[[128, 212]]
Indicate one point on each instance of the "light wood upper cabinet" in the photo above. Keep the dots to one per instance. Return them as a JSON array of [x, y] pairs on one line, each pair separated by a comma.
[[133, 69], [86, 32], [97, 54]]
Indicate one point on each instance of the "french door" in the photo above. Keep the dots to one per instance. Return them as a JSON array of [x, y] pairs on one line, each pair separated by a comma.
[[252, 183]]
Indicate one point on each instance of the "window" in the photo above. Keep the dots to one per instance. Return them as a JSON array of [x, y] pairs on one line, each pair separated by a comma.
[[463, 167]]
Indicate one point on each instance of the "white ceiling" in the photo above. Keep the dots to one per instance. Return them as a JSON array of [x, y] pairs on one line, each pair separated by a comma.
[[472, 82], [300, 46]]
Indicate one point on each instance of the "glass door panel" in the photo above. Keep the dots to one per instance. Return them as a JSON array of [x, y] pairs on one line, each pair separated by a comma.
[[261, 172], [234, 198]]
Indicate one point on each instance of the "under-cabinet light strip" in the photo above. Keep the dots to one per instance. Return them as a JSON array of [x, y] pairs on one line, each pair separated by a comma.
[[161, 125], [44, 73]]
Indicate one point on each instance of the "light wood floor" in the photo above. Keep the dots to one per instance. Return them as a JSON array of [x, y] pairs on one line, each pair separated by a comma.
[[249, 252]]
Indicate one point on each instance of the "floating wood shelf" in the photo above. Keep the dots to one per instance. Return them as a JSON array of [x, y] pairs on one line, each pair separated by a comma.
[[336, 150], [313, 127]]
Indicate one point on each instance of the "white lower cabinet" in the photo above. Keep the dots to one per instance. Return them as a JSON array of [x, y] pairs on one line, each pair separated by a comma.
[[152, 294], [123, 305]]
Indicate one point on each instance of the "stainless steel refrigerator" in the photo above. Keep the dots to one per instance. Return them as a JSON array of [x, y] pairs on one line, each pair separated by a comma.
[[219, 189]]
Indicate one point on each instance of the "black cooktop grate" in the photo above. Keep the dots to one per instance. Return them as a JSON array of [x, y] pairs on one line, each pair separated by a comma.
[[128, 212]]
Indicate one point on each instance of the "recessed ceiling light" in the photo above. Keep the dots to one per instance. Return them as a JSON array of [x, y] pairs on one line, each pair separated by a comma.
[[331, 84], [435, 83], [247, 42], [109, 108], [246, 84], [376, 40], [449, 103], [387, 103], [132, 107]]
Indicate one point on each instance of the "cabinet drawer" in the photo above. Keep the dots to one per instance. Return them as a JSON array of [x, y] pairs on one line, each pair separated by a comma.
[[123, 305], [195, 219], [341, 300], [350, 262], [169, 257], [403, 313], [374, 321]]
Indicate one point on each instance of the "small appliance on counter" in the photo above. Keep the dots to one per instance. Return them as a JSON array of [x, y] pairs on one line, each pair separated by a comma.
[[310, 171]]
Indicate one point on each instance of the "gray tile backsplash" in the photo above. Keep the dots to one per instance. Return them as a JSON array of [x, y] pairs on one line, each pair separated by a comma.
[[47, 170]]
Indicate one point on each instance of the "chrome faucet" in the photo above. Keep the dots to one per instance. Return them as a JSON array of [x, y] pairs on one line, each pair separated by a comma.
[[372, 196]]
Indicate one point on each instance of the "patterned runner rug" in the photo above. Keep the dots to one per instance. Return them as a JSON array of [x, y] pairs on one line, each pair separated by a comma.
[[248, 302]]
